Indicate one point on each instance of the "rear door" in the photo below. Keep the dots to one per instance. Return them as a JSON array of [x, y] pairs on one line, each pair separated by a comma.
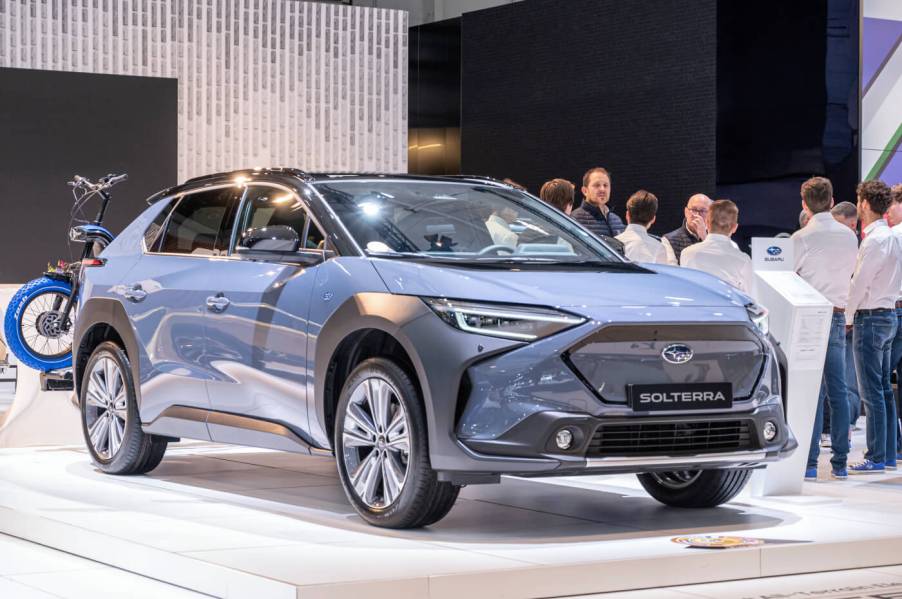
[[165, 297], [257, 325]]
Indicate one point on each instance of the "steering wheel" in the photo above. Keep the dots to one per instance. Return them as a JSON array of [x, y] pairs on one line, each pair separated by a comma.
[[497, 248]]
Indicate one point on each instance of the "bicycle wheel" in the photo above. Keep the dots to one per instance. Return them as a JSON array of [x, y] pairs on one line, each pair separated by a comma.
[[34, 328]]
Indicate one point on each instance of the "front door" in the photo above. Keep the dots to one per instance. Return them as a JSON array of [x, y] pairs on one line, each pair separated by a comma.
[[257, 331]]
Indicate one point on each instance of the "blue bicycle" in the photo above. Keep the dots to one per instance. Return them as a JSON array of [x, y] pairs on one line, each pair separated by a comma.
[[38, 322]]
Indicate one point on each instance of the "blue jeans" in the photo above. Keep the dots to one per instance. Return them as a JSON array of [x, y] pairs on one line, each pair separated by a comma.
[[873, 338], [852, 382], [896, 364], [833, 386]]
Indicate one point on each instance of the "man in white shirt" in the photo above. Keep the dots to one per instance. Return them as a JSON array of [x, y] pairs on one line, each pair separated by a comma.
[[825, 254], [872, 308], [639, 246], [717, 254], [498, 225]]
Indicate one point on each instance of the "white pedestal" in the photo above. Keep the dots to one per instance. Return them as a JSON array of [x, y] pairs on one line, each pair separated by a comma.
[[800, 320]]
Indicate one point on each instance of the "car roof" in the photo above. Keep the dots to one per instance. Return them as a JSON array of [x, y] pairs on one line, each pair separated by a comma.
[[312, 178]]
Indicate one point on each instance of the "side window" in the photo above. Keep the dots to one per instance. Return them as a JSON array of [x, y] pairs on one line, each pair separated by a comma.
[[152, 234], [269, 206], [201, 223]]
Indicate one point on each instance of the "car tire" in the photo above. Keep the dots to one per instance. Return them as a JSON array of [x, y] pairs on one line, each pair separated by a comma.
[[128, 449], [445, 497], [695, 488], [380, 439]]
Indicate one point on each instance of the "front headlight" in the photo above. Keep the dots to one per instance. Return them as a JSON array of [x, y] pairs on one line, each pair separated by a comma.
[[758, 316], [497, 320]]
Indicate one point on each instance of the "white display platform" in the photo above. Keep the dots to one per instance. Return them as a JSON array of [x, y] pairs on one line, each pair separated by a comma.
[[234, 522], [40, 417]]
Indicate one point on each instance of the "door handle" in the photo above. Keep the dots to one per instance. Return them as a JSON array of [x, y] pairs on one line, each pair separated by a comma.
[[218, 303], [135, 293]]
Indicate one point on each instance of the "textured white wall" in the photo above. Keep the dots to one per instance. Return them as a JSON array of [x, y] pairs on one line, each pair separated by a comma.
[[427, 11], [321, 87]]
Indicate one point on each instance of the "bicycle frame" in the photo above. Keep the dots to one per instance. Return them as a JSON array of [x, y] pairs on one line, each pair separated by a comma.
[[66, 323]]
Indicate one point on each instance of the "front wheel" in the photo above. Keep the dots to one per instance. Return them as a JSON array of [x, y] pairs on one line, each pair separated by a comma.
[[34, 327], [382, 450], [695, 488]]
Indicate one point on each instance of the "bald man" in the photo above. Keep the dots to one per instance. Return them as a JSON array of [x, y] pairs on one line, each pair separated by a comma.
[[694, 229]]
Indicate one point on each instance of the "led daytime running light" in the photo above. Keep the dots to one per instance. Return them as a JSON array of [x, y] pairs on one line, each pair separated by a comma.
[[458, 315]]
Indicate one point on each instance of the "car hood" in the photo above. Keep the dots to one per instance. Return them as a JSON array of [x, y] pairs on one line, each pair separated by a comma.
[[658, 286]]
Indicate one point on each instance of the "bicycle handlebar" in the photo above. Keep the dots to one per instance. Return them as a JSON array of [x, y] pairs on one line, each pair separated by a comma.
[[102, 184]]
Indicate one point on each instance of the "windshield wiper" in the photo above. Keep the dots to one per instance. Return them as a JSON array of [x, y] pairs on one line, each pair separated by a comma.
[[611, 265], [412, 256], [553, 263]]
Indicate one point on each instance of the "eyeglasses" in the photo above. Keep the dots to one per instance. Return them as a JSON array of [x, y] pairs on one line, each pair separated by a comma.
[[699, 211]]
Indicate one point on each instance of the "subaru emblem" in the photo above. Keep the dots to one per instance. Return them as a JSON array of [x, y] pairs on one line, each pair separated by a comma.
[[677, 353], [774, 250]]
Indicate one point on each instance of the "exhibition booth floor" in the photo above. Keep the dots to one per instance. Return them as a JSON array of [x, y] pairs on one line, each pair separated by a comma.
[[236, 522]]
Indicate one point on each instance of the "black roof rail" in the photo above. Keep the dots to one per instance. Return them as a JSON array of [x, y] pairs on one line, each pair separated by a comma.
[[159, 196], [296, 172]]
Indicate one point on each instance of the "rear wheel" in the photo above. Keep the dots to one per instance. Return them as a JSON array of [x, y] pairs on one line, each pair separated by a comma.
[[695, 488], [34, 326], [382, 451], [110, 420]]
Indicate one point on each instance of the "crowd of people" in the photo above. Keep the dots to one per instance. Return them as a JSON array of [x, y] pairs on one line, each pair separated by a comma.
[[858, 271]]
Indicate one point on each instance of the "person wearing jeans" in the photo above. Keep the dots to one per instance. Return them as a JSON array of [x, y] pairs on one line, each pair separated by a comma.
[[874, 332], [852, 381], [834, 387], [872, 310], [825, 255]]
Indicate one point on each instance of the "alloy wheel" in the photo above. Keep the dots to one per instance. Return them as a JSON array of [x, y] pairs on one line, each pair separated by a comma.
[[106, 407], [376, 442], [678, 479]]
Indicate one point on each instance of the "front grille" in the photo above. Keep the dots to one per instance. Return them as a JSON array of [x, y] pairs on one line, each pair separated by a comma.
[[671, 438], [617, 356]]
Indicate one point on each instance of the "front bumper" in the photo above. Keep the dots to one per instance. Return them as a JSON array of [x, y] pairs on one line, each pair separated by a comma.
[[494, 405], [690, 447]]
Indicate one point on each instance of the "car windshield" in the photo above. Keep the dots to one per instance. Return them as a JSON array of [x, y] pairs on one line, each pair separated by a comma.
[[461, 221]]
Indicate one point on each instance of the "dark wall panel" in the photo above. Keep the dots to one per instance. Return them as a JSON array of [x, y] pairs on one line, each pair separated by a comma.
[[551, 88], [54, 125]]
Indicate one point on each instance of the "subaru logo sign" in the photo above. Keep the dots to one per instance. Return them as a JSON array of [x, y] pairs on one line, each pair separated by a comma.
[[677, 353], [774, 250]]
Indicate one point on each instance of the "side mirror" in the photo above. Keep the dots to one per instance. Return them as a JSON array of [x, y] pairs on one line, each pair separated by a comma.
[[278, 243], [614, 244], [277, 238]]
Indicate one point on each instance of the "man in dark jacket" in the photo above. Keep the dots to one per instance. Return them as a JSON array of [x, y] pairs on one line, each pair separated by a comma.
[[693, 230], [594, 213]]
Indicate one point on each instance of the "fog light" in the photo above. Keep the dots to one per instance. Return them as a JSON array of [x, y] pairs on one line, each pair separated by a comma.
[[564, 439], [770, 430]]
